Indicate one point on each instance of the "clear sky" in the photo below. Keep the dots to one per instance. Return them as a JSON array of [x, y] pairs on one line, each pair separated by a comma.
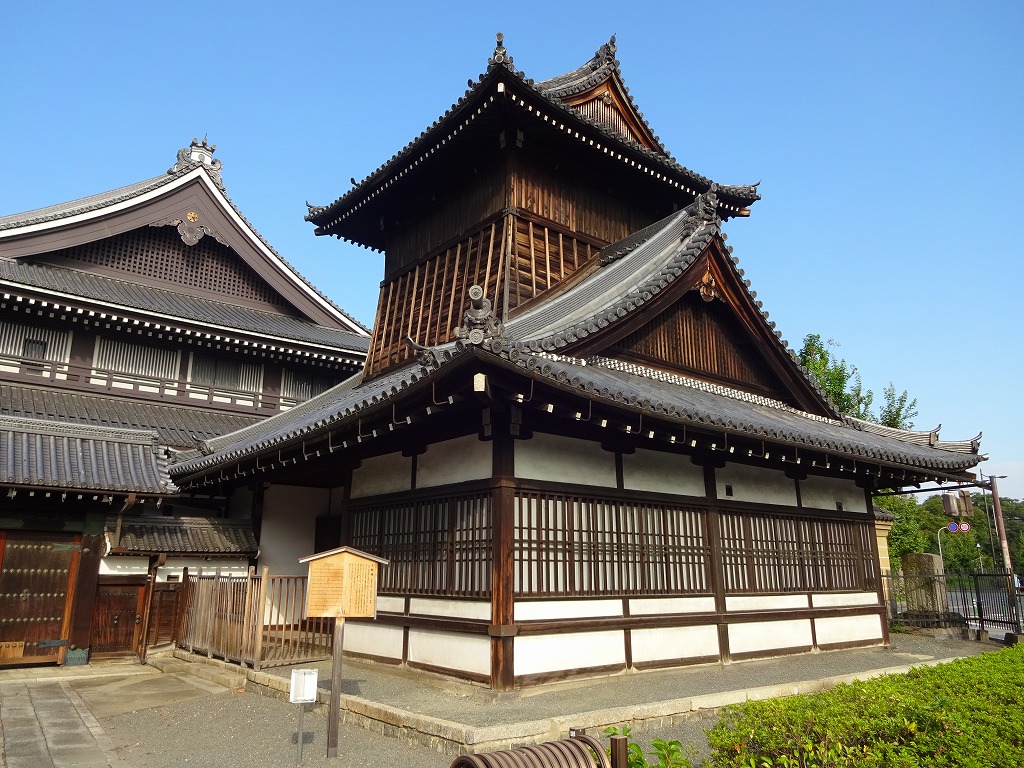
[[887, 137]]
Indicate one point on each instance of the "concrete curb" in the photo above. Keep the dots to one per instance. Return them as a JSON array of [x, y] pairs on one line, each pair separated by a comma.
[[452, 738]]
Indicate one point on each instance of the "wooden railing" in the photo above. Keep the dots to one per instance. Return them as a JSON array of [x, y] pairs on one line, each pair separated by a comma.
[[258, 621]]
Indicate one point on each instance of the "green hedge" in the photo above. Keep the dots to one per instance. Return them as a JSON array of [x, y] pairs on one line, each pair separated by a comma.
[[967, 713]]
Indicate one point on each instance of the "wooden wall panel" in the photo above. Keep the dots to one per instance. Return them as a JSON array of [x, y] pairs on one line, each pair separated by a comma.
[[697, 338], [577, 207], [544, 257], [427, 302], [448, 219]]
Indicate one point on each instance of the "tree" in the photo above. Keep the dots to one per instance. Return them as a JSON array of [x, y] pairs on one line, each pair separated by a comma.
[[898, 411], [839, 380]]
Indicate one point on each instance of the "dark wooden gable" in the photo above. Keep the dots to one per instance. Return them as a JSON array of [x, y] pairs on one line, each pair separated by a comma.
[[183, 239], [608, 105], [706, 326]]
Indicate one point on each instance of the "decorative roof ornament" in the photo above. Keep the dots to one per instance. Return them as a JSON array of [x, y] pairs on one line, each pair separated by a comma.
[[605, 54], [480, 325], [500, 55], [200, 153]]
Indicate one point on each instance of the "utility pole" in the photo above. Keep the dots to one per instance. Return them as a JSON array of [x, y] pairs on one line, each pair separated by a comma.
[[1000, 526]]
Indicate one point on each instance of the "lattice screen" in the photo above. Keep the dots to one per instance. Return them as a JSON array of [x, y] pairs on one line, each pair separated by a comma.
[[158, 253]]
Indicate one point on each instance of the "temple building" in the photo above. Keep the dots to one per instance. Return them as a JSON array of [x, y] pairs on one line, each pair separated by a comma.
[[133, 322], [578, 438]]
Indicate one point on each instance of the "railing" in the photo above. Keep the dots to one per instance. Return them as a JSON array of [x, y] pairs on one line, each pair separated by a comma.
[[251, 620], [982, 601], [84, 378]]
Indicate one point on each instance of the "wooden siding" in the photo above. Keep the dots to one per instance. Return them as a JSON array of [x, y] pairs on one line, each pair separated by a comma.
[[577, 206], [703, 339], [544, 257], [427, 302], [447, 220]]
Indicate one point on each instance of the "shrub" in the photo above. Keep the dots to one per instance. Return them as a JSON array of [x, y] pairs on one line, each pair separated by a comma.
[[964, 713]]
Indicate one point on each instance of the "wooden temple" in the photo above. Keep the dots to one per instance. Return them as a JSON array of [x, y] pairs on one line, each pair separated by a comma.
[[578, 438], [135, 322]]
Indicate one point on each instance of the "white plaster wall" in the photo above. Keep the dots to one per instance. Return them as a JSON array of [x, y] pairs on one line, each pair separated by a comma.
[[564, 460], [454, 461], [845, 629], [373, 639], [769, 635], [766, 486], [469, 653], [389, 473], [824, 492], [289, 522], [653, 606], [661, 472], [461, 609], [124, 565], [176, 565], [764, 602], [674, 643], [536, 654], [539, 610], [391, 604], [844, 598]]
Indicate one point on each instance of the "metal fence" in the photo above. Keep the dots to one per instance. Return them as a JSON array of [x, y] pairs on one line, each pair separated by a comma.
[[986, 601], [251, 620]]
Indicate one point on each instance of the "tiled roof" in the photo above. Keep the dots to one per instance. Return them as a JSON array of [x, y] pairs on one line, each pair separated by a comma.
[[666, 398], [181, 169], [175, 425], [600, 68], [179, 536], [45, 454], [630, 274], [179, 308], [445, 129]]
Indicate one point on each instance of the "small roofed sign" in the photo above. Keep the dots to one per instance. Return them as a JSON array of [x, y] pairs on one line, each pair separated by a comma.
[[342, 583]]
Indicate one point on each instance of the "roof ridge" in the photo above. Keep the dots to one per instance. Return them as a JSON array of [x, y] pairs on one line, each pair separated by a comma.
[[74, 429]]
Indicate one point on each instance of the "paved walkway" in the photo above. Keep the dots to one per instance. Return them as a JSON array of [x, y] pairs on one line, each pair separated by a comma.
[[119, 716]]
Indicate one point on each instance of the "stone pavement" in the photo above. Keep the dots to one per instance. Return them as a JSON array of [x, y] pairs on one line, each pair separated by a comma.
[[136, 716]]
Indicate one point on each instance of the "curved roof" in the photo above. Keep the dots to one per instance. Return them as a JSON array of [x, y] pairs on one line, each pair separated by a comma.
[[188, 165], [482, 95], [178, 308], [42, 454]]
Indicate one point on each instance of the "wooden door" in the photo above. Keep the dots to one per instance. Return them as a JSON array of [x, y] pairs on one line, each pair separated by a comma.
[[37, 577], [117, 619]]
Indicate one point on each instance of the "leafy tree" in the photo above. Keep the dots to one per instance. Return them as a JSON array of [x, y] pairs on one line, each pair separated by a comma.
[[839, 380], [897, 411]]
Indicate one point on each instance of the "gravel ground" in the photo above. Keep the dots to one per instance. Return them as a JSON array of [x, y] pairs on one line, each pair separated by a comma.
[[247, 729]]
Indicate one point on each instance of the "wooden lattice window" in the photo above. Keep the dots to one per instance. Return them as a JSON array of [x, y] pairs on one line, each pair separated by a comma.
[[32, 343], [226, 373], [571, 545], [437, 546], [129, 357], [159, 255], [794, 554], [302, 385]]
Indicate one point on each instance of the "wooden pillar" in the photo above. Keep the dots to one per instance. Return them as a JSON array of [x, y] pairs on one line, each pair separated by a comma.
[[879, 586], [86, 580], [502, 629], [716, 569]]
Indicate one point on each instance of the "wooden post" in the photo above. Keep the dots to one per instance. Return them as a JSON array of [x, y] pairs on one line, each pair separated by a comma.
[[334, 714], [261, 617], [620, 752]]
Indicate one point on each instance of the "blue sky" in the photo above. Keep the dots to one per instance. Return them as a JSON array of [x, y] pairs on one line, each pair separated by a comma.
[[887, 137]]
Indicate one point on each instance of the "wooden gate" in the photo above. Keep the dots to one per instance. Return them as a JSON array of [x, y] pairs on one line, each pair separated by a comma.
[[117, 619], [37, 578]]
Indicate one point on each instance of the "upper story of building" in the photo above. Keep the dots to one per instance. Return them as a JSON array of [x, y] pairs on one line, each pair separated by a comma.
[[159, 306]]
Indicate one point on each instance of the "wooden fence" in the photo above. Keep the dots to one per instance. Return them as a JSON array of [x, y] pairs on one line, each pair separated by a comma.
[[253, 620]]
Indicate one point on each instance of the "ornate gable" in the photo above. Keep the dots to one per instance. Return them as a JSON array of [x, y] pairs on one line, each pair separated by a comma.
[[597, 91]]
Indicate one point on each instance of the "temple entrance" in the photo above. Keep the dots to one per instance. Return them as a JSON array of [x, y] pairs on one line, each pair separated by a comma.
[[37, 572], [117, 619]]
